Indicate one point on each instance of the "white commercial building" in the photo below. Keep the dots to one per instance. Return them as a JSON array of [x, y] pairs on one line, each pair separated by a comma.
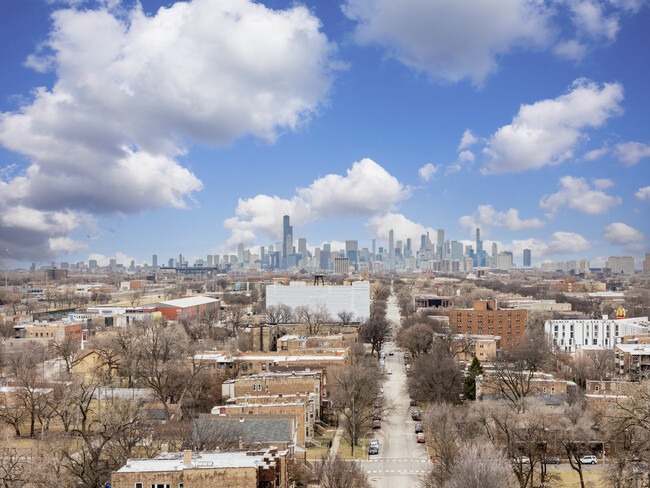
[[335, 298], [570, 335], [620, 264]]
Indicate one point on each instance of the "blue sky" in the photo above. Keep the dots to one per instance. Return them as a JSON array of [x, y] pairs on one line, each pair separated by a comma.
[[131, 129]]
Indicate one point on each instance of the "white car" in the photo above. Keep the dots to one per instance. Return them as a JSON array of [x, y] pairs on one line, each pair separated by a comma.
[[374, 441], [588, 460], [390, 371], [522, 460]]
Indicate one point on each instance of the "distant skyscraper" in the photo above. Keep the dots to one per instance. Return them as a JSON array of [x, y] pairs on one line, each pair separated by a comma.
[[456, 250], [170, 263], [216, 260], [92, 264], [341, 265], [441, 238], [391, 249], [154, 260], [527, 258], [494, 249], [374, 244], [287, 237], [262, 256], [302, 246], [240, 252], [180, 260], [423, 242]]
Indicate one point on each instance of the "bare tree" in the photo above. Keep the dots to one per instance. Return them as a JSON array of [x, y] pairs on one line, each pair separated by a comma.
[[13, 463], [67, 350], [353, 393], [416, 339], [234, 316], [313, 318], [436, 377], [476, 466], [279, 314], [335, 472], [345, 317]]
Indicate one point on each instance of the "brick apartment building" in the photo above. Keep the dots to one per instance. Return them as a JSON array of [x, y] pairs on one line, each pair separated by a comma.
[[304, 382], [207, 470], [486, 319]]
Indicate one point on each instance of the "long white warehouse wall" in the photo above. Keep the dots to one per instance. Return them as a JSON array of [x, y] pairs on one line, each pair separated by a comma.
[[336, 298]]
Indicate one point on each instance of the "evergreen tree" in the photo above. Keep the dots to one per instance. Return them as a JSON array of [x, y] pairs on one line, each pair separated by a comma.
[[469, 385]]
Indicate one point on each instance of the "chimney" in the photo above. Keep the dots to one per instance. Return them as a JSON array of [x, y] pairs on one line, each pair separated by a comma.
[[187, 458]]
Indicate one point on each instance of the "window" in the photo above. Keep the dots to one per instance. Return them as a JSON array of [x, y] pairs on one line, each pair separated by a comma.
[[180, 485], [597, 388], [545, 390], [264, 366], [552, 390], [138, 485]]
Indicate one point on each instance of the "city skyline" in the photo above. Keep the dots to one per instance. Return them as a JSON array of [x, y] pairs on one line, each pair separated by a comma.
[[534, 129]]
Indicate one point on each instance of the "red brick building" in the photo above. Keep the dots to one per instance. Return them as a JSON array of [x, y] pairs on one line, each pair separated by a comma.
[[190, 307], [486, 319]]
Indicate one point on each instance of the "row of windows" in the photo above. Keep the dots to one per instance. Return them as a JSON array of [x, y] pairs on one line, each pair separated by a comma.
[[158, 485]]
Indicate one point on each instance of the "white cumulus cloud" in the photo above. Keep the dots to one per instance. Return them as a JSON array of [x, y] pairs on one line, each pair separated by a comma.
[[486, 215], [468, 140], [572, 50], [548, 131], [577, 194], [427, 171], [643, 194], [367, 189], [380, 225], [450, 40], [620, 233], [630, 153], [133, 91]]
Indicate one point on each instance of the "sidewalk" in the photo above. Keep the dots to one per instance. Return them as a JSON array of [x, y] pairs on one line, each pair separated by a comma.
[[336, 442]]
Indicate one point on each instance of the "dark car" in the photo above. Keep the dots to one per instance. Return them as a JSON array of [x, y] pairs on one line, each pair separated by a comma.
[[418, 428], [414, 402], [390, 353], [376, 415], [415, 414], [373, 450], [553, 460], [376, 424]]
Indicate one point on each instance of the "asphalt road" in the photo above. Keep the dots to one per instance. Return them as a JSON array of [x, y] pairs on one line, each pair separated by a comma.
[[401, 459]]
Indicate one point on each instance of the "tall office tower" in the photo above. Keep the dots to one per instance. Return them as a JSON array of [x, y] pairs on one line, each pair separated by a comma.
[[441, 237], [180, 260], [456, 250], [479, 242], [216, 260], [391, 249], [132, 266], [240, 252], [646, 264], [302, 246], [327, 247], [494, 249], [210, 261], [341, 265], [423, 242], [226, 259], [154, 260], [398, 245], [317, 255], [527, 258], [287, 237], [170, 263], [374, 244]]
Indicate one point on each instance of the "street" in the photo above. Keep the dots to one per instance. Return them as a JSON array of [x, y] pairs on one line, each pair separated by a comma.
[[401, 459]]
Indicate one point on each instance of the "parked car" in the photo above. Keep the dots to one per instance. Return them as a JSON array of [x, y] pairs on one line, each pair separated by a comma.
[[553, 460], [415, 414], [418, 428], [522, 460], [588, 460], [376, 415], [373, 449], [390, 353], [390, 371], [420, 438], [374, 441], [376, 424], [414, 402]]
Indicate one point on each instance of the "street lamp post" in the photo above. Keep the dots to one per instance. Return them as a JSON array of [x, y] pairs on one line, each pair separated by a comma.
[[363, 454]]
